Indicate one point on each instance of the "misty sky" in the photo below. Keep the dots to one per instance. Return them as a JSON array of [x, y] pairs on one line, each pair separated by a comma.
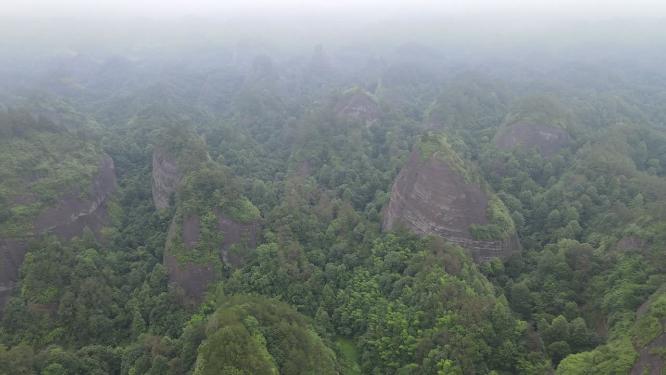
[[217, 8]]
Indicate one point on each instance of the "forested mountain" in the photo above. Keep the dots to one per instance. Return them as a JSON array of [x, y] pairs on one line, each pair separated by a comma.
[[250, 207]]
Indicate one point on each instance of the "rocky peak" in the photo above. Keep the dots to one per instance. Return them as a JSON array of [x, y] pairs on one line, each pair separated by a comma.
[[72, 213], [12, 253], [357, 104], [535, 122], [179, 150], [547, 139], [649, 360], [166, 177], [214, 227], [435, 193], [194, 277]]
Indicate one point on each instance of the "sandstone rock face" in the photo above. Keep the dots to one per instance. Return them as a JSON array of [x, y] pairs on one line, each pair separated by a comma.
[[358, 105], [73, 214], [650, 362], [166, 178], [194, 278], [430, 197], [548, 140], [304, 168], [67, 219], [630, 242], [235, 233], [12, 253]]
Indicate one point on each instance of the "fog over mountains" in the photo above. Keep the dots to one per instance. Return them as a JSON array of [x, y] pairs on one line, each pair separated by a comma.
[[332, 187]]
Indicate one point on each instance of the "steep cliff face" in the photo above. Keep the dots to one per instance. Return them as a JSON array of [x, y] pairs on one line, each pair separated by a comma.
[[237, 237], [358, 105], [166, 178], [73, 212], [192, 276], [433, 195], [214, 226], [12, 253], [650, 360], [191, 272], [539, 122], [547, 139], [178, 151]]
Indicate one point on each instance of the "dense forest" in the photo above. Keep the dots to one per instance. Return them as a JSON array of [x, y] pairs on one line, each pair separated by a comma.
[[241, 208]]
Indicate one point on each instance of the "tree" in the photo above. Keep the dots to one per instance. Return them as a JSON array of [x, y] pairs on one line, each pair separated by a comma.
[[521, 299]]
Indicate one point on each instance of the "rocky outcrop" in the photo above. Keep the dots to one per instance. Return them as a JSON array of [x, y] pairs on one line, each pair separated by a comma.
[[235, 233], [166, 178], [304, 168], [432, 196], [630, 242], [650, 358], [358, 105], [75, 211], [195, 277], [69, 217], [12, 252], [320, 62], [650, 362], [547, 139]]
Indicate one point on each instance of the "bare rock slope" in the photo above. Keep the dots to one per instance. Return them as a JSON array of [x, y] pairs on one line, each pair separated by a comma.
[[166, 178], [202, 237], [547, 139], [357, 104], [539, 122], [178, 150], [651, 360], [69, 217], [435, 195], [194, 276]]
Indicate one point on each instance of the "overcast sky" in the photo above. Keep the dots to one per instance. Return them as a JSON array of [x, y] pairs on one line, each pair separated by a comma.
[[379, 8]]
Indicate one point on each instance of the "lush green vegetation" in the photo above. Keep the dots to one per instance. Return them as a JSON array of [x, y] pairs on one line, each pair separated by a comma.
[[257, 336], [39, 162], [326, 290], [206, 194]]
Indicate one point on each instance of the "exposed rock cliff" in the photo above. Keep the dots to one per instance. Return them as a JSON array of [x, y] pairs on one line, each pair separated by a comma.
[[651, 360], [435, 195], [193, 277], [194, 274], [73, 212], [166, 178], [548, 140], [535, 122], [243, 235], [12, 253], [358, 105], [214, 226], [178, 151]]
